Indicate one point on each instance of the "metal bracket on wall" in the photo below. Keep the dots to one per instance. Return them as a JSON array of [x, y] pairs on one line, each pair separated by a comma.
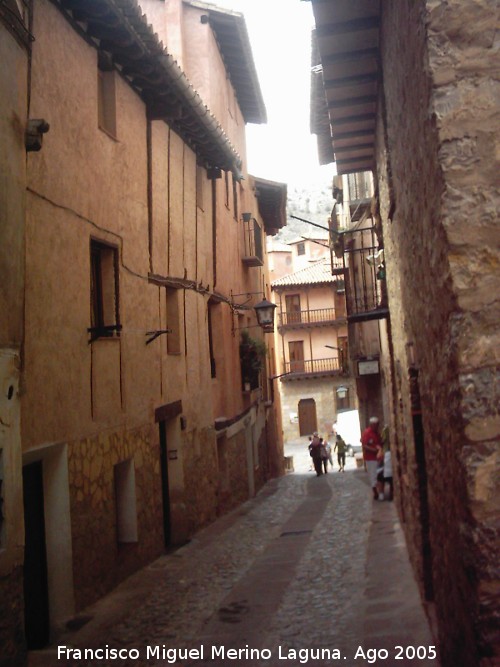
[[155, 334]]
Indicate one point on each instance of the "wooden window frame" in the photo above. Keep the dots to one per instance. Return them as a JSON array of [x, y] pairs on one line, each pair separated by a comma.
[[104, 290]]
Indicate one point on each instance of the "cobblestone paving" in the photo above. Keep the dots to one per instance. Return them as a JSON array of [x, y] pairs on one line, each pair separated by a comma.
[[286, 571], [323, 606]]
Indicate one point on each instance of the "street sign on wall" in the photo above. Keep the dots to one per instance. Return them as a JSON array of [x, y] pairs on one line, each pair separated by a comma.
[[368, 367]]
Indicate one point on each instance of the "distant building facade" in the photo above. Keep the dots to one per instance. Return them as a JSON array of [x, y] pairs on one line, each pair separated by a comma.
[[315, 379]]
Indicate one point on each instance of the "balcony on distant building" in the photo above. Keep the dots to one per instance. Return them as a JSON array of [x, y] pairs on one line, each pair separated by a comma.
[[320, 317], [301, 369]]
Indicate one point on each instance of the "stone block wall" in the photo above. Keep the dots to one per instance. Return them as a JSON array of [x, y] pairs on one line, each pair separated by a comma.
[[437, 175], [233, 472], [99, 563], [200, 478]]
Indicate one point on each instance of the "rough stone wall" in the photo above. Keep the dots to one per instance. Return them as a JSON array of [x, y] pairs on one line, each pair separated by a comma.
[[200, 477], [13, 651], [233, 475], [99, 563], [437, 177]]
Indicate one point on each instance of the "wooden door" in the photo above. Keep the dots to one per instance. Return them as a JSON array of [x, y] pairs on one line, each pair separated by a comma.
[[165, 492], [308, 422], [296, 356], [292, 304]]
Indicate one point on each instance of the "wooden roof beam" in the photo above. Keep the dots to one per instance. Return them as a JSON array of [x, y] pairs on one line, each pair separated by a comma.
[[346, 81], [356, 25], [352, 102], [350, 56]]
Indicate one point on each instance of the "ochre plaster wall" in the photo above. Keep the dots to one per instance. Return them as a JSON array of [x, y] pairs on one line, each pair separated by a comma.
[[100, 399], [13, 115], [106, 393]]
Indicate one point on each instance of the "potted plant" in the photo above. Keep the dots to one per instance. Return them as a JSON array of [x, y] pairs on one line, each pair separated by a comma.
[[252, 357]]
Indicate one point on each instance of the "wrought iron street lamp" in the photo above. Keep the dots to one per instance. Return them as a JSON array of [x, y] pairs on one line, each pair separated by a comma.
[[265, 315]]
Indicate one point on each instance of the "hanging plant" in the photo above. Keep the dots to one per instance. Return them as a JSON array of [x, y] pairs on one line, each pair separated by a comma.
[[252, 357]]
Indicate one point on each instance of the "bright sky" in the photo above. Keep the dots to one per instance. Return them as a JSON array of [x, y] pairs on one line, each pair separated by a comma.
[[280, 35]]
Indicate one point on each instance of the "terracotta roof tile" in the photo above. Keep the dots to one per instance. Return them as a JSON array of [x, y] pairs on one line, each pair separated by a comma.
[[317, 273]]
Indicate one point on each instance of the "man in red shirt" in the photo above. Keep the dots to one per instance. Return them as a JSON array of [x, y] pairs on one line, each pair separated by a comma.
[[372, 444]]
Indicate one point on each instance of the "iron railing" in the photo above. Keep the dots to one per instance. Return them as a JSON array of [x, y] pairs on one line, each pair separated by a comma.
[[366, 296], [312, 367], [317, 316]]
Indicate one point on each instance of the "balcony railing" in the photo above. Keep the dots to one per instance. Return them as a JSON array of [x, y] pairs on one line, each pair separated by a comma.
[[317, 316], [310, 367], [253, 254], [366, 297]]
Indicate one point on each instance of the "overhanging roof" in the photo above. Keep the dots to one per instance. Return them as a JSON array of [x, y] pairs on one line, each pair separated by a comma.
[[125, 41], [271, 197], [234, 44], [347, 40]]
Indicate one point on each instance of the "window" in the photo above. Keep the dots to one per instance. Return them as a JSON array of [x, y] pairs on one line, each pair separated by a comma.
[[106, 101], [343, 345], [226, 189], [200, 174], [211, 318], [235, 198], [125, 502], [104, 316], [301, 248], [173, 321]]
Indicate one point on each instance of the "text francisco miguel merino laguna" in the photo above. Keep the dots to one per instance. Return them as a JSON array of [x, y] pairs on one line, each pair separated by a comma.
[[171, 655]]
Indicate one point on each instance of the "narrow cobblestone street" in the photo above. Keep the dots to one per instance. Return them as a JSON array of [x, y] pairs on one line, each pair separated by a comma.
[[309, 564]]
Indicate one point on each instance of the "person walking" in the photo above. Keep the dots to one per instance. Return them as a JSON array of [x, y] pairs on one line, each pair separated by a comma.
[[315, 451], [372, 444], [328, 448], [341, 448], [324, 454]]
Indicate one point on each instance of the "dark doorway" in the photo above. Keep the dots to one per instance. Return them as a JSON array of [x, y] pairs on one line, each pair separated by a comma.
[[308, 422], [419, 439], [36, 595], [165, 492]]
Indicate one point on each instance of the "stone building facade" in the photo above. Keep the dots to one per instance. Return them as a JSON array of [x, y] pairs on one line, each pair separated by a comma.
[[128, 221], [430, 134]]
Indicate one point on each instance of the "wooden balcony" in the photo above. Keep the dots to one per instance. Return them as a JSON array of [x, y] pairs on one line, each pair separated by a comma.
[[311, 318], [307, 369], [253, 249]]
